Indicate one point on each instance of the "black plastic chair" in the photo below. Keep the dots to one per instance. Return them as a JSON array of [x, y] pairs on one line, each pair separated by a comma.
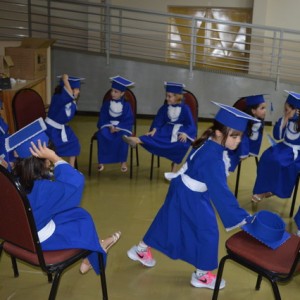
[[20, 240], [130, 97], [277, 265], [191, 100]]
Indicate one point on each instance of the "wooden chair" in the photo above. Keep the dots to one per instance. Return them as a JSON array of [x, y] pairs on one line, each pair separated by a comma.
[[130, 97], [191, 100], [20, 238], [277, 265], [27, 106]]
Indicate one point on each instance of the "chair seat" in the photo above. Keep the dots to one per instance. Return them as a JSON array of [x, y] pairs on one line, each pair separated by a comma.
[[279, 260], [51, 257]]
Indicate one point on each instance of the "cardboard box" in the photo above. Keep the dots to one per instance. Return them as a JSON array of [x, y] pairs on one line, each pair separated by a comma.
[[30, 58], [5, 64]]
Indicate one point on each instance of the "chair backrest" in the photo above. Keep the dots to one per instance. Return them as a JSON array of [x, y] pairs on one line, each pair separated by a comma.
[[130, 97], [27, 106], [17, 225], [240, 104], [191, 100]]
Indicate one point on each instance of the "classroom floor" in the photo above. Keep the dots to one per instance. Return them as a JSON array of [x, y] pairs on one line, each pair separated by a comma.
[[117, 202]]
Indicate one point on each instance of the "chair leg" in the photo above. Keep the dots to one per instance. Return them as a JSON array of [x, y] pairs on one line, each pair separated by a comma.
[[137, 155], [103, 277], [219, 277], [151, 167], [14, 266], [275, 290], [237, 180], [258, 282], [131, 157], [158, 161], [294, 196], [55, 285], [91, 156]]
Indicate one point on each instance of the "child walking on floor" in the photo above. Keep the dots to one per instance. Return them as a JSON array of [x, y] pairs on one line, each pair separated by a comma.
[[61, 111], [279, 165], [115, 120], [173, 128], [186, 225], [252, 138]]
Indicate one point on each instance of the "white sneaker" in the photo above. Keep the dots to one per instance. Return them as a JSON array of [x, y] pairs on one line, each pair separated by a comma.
[[144, 257], [206, 281]]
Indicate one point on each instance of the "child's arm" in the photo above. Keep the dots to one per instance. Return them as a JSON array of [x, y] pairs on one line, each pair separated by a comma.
[[65, 79]]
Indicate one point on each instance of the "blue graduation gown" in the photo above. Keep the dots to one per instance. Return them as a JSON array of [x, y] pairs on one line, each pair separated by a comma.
[[111, 147], [297, 218], [186, 225], [8, 157], [249, 146], [279, 165], [170, 121], [59, 201], [62, 110]]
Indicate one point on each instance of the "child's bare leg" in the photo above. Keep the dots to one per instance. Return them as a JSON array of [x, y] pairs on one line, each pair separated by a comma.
[[72, 160]]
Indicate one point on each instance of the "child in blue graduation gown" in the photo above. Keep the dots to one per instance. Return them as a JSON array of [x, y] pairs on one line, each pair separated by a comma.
[[6, 159], [55, 203], [279, 165], [255, 106], [61, 111], [115, 120], [186, 225], [172, 130]]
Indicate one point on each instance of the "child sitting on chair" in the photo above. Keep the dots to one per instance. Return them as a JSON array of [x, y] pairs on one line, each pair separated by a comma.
[[279, 165], [256, 107], [173, 128], [115, 120]]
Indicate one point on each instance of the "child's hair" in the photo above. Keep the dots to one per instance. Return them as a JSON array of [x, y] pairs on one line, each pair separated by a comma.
[[248, 110], [58, 89], [27, 170], [297, 123], [211, 132]]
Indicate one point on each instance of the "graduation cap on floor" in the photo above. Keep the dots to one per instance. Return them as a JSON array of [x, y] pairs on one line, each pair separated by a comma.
[[120, 83], [233, 117], [20, 140], [293, 99], [75, 82], [174, 87]]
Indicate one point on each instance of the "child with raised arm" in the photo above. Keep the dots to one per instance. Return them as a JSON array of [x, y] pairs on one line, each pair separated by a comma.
[[61, 111], [279, 165], [115, 120], [186, 225], [55, 202], [172, 130]]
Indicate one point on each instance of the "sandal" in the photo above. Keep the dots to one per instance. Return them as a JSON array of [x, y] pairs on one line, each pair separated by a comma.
[[85, 266], [129, 141], [100, 167], [114, 238]]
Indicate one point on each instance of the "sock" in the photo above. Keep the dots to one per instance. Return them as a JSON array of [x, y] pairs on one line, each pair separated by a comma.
[[200, 273], [142, 246], [298, 233]]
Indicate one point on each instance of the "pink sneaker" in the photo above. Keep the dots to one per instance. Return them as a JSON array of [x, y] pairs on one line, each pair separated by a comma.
[[206, 281], [144, 257]]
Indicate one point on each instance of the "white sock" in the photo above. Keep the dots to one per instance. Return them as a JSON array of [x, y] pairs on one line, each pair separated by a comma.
[[298, 233], [142, 246], [200, 273]]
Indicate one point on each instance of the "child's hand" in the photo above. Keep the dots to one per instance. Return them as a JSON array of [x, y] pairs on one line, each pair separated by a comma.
[[3, 162], [42, 151], [182, 137], [152, 132]]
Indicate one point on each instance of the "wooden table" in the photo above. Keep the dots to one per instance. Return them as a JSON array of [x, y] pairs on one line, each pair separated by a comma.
[[39, 85]]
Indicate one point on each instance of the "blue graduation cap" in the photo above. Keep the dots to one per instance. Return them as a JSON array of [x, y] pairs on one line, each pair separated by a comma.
[[174, 87], [268, 228], [233, 117], [20, 140], [120, 83], [255, 100], [75, 82], [293, 99]]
